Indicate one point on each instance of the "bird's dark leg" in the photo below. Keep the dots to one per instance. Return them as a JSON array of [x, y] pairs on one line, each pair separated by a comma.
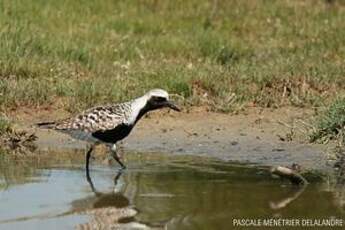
[[116, 156], [88, 155], [88, 178], [117, 177]]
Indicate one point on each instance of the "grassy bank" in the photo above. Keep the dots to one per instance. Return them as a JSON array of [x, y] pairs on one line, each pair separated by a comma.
[[331, 124], [225, 54]]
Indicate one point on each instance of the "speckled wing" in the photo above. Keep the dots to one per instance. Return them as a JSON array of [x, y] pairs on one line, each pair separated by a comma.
[[100, 118]]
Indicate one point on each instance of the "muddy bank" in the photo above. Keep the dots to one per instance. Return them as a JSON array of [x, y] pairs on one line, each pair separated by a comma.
[[259, 136]]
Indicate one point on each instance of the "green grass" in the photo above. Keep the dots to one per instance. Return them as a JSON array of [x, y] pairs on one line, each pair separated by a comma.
[[5, 125], [331, 124], [75, 54], [5, 128]]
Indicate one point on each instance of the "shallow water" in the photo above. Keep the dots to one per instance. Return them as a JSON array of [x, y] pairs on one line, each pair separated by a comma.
[[156, 191]]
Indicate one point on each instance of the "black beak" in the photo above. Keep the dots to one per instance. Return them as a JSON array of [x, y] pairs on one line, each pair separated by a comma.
[[172, 106]]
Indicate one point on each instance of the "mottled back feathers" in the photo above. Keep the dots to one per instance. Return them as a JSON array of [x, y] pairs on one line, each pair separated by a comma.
[[100, 118]]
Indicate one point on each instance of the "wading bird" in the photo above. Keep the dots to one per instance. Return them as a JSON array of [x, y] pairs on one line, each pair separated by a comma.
[[111, 123]]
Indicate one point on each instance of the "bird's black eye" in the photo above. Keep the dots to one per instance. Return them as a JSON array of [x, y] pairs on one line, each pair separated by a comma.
[[160, 99]]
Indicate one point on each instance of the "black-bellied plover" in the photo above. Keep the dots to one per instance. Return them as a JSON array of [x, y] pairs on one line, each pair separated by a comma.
[[111, 123]]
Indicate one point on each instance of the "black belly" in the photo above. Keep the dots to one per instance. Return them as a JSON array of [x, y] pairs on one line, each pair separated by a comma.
[[113, 135]]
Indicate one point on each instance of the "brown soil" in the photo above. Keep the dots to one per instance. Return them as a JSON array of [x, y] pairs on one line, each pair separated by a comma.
[[263, 136]]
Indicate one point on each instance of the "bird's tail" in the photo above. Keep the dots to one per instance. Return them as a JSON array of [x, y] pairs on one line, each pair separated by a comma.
[[46, 125]]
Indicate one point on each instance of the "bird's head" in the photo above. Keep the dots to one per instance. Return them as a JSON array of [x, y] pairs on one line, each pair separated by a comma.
[[159, 98]]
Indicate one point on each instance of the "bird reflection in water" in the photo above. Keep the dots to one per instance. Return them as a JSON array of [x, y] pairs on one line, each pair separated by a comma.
[[108, 210]]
